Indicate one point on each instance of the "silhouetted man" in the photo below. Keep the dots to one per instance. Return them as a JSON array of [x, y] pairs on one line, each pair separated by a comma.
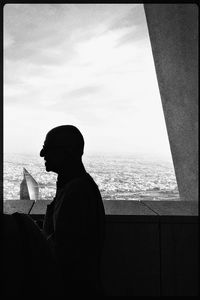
[[75, 219]]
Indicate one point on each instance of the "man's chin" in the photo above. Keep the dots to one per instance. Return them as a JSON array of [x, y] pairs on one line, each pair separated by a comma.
[[48, 168]]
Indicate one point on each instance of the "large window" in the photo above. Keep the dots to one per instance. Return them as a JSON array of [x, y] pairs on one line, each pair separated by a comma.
[[89, 65]]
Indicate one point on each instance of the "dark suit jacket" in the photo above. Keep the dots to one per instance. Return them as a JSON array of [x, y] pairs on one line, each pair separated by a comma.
[[75, 225]]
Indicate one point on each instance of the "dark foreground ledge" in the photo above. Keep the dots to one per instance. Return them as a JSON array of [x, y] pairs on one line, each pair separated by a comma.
[[151, 247], [115, 207]]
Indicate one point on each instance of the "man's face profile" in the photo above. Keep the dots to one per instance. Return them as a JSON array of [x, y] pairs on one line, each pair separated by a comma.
[[63, 146], [54, 156]]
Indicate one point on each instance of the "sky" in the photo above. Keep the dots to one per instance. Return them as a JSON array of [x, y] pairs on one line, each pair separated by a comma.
[[89, 65]]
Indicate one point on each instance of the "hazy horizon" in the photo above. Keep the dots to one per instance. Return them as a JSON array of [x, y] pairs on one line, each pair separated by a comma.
[[89, 65], [149, 156]]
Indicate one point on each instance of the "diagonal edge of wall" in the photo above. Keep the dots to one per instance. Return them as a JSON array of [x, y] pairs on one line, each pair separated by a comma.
[[173, 31]]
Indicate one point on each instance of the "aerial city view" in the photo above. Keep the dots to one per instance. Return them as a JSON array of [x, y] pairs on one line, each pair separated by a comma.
[[118, 177]]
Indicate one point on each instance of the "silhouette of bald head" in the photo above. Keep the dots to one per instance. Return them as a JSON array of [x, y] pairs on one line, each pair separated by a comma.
[[66, 137]]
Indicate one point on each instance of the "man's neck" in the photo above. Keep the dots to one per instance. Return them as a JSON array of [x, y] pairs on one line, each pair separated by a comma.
[[69, 173]]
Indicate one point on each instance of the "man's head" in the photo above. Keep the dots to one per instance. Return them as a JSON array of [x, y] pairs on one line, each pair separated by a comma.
[[62, 148]]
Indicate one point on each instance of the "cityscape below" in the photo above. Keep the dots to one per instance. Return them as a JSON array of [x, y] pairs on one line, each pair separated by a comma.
[[122, 177]]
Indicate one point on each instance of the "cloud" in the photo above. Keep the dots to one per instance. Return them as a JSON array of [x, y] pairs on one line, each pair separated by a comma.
[[8, 41], [130, 25], [86, 64], [84, 91], [135, 35], [41, 33], [133, 17]]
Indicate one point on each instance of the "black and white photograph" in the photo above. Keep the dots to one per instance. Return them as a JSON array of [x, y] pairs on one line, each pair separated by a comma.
[[100, 149]]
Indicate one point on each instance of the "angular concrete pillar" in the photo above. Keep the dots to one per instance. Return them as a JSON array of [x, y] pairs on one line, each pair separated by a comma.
[[173, 31]]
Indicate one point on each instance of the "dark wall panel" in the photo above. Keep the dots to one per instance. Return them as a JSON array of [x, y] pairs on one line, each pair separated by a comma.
[[130, 263], [180, 253]]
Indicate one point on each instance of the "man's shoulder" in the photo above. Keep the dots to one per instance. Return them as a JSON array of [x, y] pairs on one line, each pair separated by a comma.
[[83, 183]]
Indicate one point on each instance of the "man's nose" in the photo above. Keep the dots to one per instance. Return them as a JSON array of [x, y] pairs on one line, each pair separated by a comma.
[[42, 153]]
